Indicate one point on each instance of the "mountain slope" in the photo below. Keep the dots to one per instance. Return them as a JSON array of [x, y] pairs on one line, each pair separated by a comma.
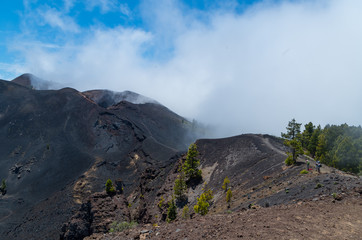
[[270, 200], [58, 146]]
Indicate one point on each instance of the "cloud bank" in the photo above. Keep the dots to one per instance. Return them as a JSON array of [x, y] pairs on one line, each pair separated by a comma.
[[247, 71]]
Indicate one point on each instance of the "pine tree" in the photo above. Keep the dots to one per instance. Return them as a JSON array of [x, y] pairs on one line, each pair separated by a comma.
[[307, 134], [109, 187], [321, 149], [293, 139], [172, 210], [313, 141], [202, 206], [185, 212], [207, 193], [229, 195], [345, 155], [225, 184], [190, 167], [180, 187]]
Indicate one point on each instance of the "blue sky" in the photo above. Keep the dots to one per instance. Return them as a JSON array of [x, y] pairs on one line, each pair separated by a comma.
[[241, 66], [53, 22]]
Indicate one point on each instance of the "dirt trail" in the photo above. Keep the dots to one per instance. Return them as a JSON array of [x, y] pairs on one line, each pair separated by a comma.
[[271, 146], [324, 168]]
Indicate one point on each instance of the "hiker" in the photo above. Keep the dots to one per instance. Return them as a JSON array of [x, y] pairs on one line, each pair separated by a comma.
[[307, 164], [318, 166]]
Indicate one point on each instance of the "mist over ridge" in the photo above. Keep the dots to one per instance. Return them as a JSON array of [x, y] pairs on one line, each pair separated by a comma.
[[238, 72]]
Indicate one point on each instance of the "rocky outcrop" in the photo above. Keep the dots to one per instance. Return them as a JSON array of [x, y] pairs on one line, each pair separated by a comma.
[[96, 215]]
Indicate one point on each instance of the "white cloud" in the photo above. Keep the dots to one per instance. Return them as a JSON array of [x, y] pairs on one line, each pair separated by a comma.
[[68, 4], [104, 5], [57, 19], [244, 73], [125, 10]]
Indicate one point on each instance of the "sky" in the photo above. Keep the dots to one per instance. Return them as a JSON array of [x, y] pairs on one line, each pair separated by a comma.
[[238, 66]]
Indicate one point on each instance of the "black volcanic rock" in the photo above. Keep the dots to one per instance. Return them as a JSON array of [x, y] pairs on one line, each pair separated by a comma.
[[57, 147], [244, 159], [95, 215], [24, 80]]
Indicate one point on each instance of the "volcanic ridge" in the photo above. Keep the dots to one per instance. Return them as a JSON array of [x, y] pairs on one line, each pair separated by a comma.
[[59, 147]]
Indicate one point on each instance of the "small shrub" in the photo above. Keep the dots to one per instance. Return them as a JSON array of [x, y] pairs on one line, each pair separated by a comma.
[[160, 203], [319, 185], [120, 227], [185, 212], [229, 194], [337, 197], [109, 187], [180, 187], [202, 206], [208, 196], [129, 205], [289, 161], [172, 210], [207, 193], [304, 171], [225, 184]]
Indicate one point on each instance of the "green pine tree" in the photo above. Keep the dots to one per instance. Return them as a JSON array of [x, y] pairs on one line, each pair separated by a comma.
[[321, 149], [292, 139], [172, 210], [190, 167], [225, 184], [229, 195], [180, 187], [345, 155], [307, 134], [207, 193], [202, 206], [185, 212], [109, 187], [313, 142]]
